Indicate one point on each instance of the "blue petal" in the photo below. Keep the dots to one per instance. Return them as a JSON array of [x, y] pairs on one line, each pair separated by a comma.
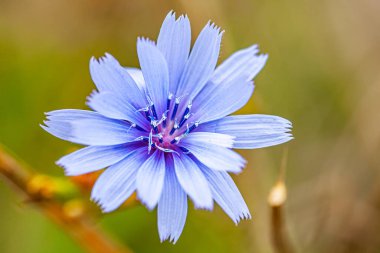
[[226, 194], [201, 63], [116, 184], [252, 131], [207, 138], [155, 71], [93, 158], [138, 77], [215, 157], [244, 63], [150, 179], [193, 181], [219, 100], [174, 42], [72, 114], [79, 126], [112, 105], [103, 132], [108, 75], [172, 207]]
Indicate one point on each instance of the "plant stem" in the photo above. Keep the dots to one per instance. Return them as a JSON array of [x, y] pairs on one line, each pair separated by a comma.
[[276, 200], [80, 228]]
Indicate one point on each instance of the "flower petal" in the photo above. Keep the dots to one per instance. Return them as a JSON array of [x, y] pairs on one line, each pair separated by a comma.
[[244, 63], [138, 77], [88, 128], [72, 114], [103, 132], [112, 105], [94, 158], [219, 100], [201, 63], [155, 71], [117, 183], [150, 179], [174, 42], [226, 194], [215, 157], [252, 131], [193, 181], [172, 207], [108, 75], [207, 138]]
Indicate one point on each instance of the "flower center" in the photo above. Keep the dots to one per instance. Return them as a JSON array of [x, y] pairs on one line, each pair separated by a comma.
[[168, 130]]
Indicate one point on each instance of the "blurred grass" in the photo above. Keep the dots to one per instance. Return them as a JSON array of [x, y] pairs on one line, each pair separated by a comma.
[[322, 74]]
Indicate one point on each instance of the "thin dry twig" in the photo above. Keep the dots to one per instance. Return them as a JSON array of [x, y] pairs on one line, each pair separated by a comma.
[[80, 227], [276, 200]]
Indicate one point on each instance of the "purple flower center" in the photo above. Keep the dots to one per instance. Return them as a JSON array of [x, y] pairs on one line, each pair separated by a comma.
[[168, 130]]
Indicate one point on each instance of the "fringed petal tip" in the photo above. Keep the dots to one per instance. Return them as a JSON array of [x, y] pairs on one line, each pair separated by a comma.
[[145, 40], [101, 205], [242, 216], [214, 27], [170, 238]]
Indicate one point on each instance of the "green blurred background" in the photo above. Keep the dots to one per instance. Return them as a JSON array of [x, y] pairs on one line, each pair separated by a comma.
[[323, 74]]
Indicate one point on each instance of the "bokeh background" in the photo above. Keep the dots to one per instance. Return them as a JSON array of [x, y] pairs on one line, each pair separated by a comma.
[[323, 74]]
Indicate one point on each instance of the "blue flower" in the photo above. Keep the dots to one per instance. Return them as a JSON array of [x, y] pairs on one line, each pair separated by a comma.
[[164, 131]]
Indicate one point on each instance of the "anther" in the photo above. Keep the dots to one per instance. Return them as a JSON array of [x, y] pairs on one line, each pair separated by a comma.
[[150, 141], [196, 124], [142, 138], [184, 118], [153, 111], [137, 127], [175, 127], [175, 140], [163, 118], [186, 114], [185, 150], [152, 108], [177, 100], [168, 101], [154, 124], [160, 137]]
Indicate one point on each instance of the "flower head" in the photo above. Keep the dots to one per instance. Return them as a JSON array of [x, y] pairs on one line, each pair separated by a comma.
[[164, 131]]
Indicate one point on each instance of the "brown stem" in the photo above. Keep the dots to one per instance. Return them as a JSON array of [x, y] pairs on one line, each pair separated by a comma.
[[79, 227], [279, 236], [276, 201]]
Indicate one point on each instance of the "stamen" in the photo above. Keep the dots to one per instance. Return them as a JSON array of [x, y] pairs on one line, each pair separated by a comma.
[[175, 127], [175, 140], [150, 141], [186, 114], [163, 118], [168, 101], [142, 138], [154, 124], [159, 136], [196, 124], [166, 150], [177, 100], [138, 128], [133, 125], [146, 111], [184, 118], [152, 108], [153, 111], [185, 150]]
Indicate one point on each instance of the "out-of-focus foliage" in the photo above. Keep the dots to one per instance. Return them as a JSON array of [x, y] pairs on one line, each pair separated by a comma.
[[322, 74]]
